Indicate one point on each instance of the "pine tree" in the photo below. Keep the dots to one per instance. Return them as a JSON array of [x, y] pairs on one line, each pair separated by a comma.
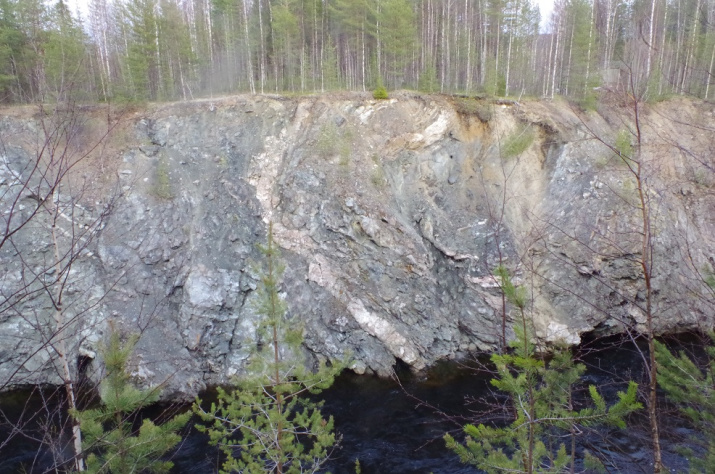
[[428, 79], [65, 54], [285, 25], [268, 423], [693, 390], [380, 92], [12, 46], [109, 437], [398, 36], [140, 64], [541, 400], [355, 31], [177, 67], [27, 47]]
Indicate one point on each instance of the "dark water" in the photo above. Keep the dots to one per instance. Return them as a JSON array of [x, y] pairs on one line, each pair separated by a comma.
[[393, 427], [396, 427]]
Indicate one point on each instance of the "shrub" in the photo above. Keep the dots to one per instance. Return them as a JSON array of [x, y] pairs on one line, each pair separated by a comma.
[[518, 142], [162, 183], [589, 102], [380, 93], [378, 178], [333, 141], [480, 109], [690, 386], [326, 144], [113, 442]]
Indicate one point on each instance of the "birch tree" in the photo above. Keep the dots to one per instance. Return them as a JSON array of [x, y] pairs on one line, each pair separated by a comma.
[[47, 294]]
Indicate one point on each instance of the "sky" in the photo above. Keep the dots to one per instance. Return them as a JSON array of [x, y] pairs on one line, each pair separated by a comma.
[[545, 6], [78, 6]]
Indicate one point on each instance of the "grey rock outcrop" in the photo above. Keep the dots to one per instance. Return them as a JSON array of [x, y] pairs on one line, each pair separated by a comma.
[[390, 215]]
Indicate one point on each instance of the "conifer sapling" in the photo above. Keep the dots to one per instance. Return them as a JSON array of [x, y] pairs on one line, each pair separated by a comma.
[[114, 446], [541, 402], [268, 423]]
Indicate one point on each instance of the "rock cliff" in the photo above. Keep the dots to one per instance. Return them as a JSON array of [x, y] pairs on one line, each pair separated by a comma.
[[391, 216]]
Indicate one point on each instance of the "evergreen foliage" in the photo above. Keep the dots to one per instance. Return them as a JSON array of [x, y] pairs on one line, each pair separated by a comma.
[[541, 401], [515, 294], [428, 79], [113, 444], [162, 180], [140, 62], [474, 107], [380, 92], [693, 390], [518, 142], [624, 146], [11, 46], [64, 53], [268, 423], [541, 397], [140, 50], [398, 34]]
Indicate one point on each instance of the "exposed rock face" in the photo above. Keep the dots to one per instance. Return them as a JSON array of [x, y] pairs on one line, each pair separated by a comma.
[[391, 216]]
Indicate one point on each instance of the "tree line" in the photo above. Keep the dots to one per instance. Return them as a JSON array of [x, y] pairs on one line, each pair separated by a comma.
[[160, 50]]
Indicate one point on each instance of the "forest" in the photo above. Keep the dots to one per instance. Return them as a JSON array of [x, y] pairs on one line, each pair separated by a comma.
[[164, 50]]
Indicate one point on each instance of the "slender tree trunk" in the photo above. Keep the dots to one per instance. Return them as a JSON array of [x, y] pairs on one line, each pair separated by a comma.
[[262, 63], [209, 30], [316, 62], [322, 62], [303, 56], [159, 69], [651, 28], [662, 50], [556, 57], [274, 48], [448, 43], [646, 263], [572, 433], [443, 46], [251, 84], [378, 40], [689, 56], [104, 53], [183, 83], [709, 75], [457, 50], [508, 53], [274, 311], [467, 25], [647, 268], [61, 345], [570, 69], [532, 407], [678, 47], [607, 46], [496, 65], [549, 66], [363, 58], [485, 44], [588, 55], [348, 64]]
